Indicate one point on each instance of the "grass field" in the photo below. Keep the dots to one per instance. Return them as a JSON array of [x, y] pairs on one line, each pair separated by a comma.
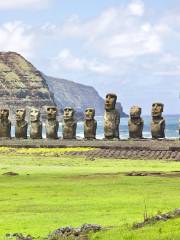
[[53, 190]]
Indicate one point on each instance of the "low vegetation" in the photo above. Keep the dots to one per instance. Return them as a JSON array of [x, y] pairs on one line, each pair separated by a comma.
[[45, 192]]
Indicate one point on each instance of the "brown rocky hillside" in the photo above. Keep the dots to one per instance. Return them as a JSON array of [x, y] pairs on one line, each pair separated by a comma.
[[21, 84]]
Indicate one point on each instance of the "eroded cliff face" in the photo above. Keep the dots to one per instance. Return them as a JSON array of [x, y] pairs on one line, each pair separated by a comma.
[[21, 84], [78, 96]]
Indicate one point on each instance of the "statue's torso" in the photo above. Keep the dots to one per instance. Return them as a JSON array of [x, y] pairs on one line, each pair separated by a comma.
[[69, 129], [36, 130], [21, 130], [158, 128], [5, 129], [52, 129], [135, 128], [90, 128], [111, 124]]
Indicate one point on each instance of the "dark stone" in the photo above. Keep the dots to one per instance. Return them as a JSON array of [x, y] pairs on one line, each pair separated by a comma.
[[36, 125], [135, 123], [52, 124], [69, 124], [5, 124], [158, 122], [111, 118], [90, 124], [21, 124]]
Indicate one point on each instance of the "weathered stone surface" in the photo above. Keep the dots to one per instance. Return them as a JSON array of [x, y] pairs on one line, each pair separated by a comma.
[[158, 122], [21, 124], [52, 124], [5, 124], [69, 124], [79, 233], [124, 149], [111, 118], [135, 123], [90, 124], [36, 125], [21, 84]]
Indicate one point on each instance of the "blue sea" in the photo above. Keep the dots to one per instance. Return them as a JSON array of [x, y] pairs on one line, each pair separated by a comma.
[[171, 127]]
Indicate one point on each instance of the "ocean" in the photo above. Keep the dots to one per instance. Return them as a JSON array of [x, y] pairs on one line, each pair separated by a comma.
[[172, 123], [171, 128]]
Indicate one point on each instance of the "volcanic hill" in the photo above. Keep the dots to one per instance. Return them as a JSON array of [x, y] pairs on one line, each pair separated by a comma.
[[23, 86]]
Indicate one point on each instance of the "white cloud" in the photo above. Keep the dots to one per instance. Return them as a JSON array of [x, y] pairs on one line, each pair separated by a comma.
[[21, 4], [115, 33], [121, 41], [18, 37], [136, 8], [68, 61]]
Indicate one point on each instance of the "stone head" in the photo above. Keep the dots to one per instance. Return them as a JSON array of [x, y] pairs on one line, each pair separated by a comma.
[[20, 114], [68, 113], [135, 112], [34, 115], [4, 114], [110, 101], [157, 109], [51, 113], [89, 113]]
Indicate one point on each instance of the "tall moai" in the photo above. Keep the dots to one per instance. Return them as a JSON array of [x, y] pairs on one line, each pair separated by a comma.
[[52, 124], [158, 122], [5, 124], [111, 118], [135, 123], [69, 124], [21, 124], [90, 124], [36, 124]]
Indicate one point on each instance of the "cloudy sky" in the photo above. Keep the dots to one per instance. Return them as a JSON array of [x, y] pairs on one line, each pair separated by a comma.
[[130, 47]]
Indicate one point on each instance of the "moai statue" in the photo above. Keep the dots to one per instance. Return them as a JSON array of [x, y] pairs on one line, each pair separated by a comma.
[[135, 123], [90, 124], [69, 124], [111, 118], [158, 122], [21, 124], [36, 125], [5, 124], [179, 129], [52, 124]]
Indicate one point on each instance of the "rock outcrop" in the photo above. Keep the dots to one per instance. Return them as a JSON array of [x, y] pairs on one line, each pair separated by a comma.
[[78, 96], [21, 84]]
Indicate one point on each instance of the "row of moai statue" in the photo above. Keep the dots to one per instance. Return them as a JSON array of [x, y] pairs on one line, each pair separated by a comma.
[[111, 122], [135, 123]]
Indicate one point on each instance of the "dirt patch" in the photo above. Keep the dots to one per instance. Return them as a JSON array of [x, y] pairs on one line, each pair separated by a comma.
[[95, 175], [10, 174], [143, 174], [154, 174], [158, 218]]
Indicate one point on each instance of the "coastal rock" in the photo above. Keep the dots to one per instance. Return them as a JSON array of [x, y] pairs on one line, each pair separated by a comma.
[[78, 96]]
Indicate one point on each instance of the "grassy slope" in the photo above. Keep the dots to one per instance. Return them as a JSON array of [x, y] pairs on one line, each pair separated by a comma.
[[54, 191]]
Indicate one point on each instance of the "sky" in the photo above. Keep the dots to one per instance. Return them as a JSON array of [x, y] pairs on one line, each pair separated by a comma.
[[129, 47]]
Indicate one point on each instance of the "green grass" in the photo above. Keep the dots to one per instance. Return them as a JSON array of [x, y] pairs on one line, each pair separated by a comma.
[[53, 191]]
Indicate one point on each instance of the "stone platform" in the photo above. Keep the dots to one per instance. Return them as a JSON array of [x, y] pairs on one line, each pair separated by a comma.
[[126, 149]]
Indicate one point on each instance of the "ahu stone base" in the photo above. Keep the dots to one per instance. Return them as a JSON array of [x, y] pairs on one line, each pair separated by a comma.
[[123, 149]]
